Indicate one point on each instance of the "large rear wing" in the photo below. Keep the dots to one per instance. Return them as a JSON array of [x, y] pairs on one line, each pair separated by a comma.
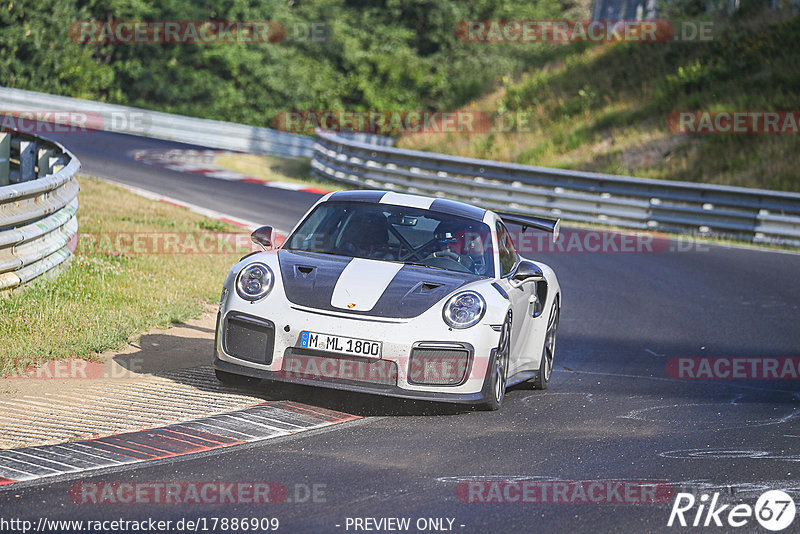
[[540, 223]]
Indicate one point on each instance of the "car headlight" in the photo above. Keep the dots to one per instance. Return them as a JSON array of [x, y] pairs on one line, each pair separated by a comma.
[[464, 309], [254, 281]]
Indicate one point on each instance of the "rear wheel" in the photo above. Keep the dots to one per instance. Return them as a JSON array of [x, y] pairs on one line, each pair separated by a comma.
[[542, 380], [499, 370], [231, 379]]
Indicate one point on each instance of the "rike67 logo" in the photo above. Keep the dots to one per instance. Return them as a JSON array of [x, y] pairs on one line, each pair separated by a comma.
[[774, 510]]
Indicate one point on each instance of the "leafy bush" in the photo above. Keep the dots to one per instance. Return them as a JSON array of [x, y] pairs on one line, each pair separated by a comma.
[[390, 54]]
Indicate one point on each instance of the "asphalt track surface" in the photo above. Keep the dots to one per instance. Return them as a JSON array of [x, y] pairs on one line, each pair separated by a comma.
[[613, 412]]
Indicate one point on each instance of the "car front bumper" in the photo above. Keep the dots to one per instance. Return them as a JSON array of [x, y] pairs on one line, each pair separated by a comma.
[[279, 331]]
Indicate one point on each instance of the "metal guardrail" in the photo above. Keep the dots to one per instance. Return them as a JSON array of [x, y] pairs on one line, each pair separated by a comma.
[[624, 9], [643, 204], [38, 201], [190, 130], [649, 9], [370, 161]]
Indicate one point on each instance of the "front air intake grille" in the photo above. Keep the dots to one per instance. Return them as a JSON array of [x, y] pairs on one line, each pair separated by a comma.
[[439, 364], [318, 365], [249, 338]]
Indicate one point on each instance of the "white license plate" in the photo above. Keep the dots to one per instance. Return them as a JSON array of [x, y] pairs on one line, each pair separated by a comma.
[[341, 344]]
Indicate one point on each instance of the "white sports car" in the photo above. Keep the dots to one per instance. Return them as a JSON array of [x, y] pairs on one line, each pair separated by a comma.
[[392, 294]]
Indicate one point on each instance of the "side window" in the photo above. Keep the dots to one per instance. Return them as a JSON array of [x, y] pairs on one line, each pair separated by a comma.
[[508, 254]]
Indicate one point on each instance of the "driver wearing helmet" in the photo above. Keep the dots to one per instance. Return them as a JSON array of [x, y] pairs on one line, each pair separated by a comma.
[[449, 243]]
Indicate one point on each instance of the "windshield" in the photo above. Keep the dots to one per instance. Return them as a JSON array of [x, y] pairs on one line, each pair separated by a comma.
[[396, 233]]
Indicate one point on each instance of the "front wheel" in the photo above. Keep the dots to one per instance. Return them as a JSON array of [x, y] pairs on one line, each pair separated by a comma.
[[542, 379], [499, 370]]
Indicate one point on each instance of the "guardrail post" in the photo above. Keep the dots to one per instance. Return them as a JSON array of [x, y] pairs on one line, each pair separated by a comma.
[[27, 161], [43, 162], [57, 163], [5, 161]]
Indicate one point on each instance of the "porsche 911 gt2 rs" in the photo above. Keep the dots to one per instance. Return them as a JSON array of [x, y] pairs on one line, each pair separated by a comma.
[[393, 294]]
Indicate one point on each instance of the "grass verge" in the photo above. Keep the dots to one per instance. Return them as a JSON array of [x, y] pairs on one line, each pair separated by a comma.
[[109, 294], [605, 108]]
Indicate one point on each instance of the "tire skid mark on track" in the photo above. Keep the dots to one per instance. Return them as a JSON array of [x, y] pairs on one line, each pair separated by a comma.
[[727, 454], [190, 437], [654, 414], [203, 162], [739, 489]]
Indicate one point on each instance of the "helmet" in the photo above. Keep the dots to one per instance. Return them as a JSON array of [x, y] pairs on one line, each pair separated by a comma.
[[450, 234]]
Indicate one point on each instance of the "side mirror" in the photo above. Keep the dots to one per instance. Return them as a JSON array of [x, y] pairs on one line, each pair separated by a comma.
[[263, 236], [526, 271]]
